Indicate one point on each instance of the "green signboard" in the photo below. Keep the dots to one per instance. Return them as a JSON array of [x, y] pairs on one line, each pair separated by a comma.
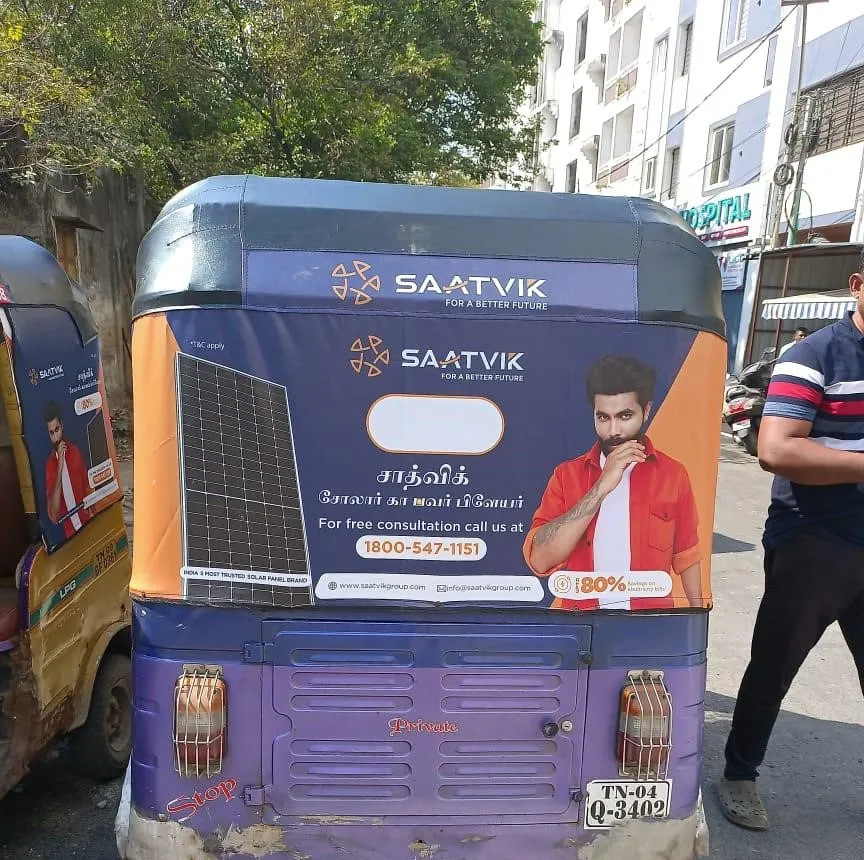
[[718, 213]]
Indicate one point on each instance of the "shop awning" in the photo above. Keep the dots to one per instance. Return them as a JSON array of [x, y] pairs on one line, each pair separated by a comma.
[[809, 306]]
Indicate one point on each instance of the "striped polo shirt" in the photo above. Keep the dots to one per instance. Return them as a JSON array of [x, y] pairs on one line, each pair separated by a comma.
[[820, 379]]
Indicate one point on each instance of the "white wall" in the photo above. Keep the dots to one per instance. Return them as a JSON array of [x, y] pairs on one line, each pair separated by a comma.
[[824, 17], [831, 180]]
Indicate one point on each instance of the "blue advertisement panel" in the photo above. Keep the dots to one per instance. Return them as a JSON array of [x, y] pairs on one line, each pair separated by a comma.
[[440, 285], [65, 418], [345, 451]]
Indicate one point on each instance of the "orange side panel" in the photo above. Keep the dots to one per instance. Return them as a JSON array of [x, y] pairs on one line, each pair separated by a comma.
[[687, 427], [158, 536]]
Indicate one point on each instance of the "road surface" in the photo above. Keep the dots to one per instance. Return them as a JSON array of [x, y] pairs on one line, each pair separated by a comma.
[[811, 782]]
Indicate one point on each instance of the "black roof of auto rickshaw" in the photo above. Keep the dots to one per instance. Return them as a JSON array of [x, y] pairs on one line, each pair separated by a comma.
[[194, 253], [31, 276]]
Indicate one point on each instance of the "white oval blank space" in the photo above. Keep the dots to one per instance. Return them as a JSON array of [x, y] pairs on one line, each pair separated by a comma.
[[426, 424]]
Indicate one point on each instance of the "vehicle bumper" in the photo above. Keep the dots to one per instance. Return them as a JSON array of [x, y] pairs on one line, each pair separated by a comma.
[[141, 838]]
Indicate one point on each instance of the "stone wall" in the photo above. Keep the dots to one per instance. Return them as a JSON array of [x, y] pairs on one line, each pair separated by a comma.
[[97, 233]]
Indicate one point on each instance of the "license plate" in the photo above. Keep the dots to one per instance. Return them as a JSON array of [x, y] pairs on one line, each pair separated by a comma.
[[611, 802], [741, 425]]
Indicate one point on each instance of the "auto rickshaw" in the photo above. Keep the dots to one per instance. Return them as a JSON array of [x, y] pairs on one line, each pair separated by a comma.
[[64, 555], [390, 603]]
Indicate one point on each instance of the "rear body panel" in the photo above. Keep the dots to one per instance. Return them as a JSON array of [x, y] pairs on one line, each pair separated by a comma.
[[438, 720], [430, 728]]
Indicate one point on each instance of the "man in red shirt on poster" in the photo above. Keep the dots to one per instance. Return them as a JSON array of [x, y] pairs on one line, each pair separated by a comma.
[[622, 507], [66, 484]]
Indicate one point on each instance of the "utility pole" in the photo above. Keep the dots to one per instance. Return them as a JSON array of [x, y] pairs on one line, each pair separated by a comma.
[[803, 120], [803, 138]]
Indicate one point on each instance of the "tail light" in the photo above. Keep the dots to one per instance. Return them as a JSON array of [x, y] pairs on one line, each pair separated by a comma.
[[645, 727], [200, 719]]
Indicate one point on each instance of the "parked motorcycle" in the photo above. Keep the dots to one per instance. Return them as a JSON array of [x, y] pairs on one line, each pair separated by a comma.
[[744, 400]]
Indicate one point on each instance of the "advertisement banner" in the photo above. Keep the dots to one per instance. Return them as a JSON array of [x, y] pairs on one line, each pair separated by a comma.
[[66, 422], [733, 264], [401, 448]]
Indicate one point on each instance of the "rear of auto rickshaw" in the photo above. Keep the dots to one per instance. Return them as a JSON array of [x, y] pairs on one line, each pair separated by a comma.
[[64, 555]]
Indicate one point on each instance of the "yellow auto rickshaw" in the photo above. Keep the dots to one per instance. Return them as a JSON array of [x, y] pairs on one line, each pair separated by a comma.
[[64, 554]]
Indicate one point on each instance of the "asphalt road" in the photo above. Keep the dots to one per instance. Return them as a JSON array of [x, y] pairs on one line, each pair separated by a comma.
[[811, 781]]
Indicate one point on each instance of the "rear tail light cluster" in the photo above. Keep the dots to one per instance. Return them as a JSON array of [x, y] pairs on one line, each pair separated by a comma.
[[200, 720], [645, 727]]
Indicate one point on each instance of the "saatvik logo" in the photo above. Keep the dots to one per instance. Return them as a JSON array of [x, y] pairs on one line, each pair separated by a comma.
[[45, 375], [356, 281], [370, 355]]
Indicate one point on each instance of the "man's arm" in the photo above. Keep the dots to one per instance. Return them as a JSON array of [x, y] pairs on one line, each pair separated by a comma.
[[796, 391], [78, 475], [786, 450], [691, 579], [686, 551], [554, 542], [54, 492]]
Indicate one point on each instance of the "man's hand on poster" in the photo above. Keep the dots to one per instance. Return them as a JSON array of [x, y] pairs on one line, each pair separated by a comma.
[[55, 492], [619, 459]]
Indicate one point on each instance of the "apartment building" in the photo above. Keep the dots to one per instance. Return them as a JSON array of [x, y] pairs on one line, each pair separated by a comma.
[[689, 102]]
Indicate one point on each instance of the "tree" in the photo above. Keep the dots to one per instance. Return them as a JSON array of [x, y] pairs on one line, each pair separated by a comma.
[[356, 89]]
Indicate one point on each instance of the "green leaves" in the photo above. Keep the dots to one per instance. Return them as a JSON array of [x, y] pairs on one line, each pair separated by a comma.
[[181, 89]]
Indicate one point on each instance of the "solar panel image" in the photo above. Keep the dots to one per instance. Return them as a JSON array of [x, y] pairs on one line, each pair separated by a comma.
[[243, 526], [97, 440]]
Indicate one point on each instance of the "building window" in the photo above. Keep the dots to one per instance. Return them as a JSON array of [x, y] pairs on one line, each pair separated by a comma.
[[612, 7], [685, 48], [571, 178], [631, 40], [661, 53], [613, 57], [606, 141], [842, 112], [616, 137], [733, 23], [581, 39], [622, 59], [649, 175], [720, 154], [575, 114], [541, 83], [673, 171], [623, 136], [66, 239], [769, 62]]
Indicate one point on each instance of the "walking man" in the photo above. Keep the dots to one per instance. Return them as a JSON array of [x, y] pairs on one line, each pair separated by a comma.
[[812, 439]]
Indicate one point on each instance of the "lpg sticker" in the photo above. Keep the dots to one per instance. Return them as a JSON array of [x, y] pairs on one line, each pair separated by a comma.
[[191, 805]]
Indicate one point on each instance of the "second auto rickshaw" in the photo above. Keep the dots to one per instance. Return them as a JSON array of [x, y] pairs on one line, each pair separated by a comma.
[[64, 554]]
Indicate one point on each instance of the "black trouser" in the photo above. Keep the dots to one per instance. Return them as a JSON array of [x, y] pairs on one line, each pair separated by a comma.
[[811, 581]]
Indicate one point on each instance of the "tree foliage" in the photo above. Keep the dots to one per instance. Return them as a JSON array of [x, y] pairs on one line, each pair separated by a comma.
[[358, 89]]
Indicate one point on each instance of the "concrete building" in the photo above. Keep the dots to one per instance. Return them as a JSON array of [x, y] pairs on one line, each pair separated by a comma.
[[690, 102], [95, 234]]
